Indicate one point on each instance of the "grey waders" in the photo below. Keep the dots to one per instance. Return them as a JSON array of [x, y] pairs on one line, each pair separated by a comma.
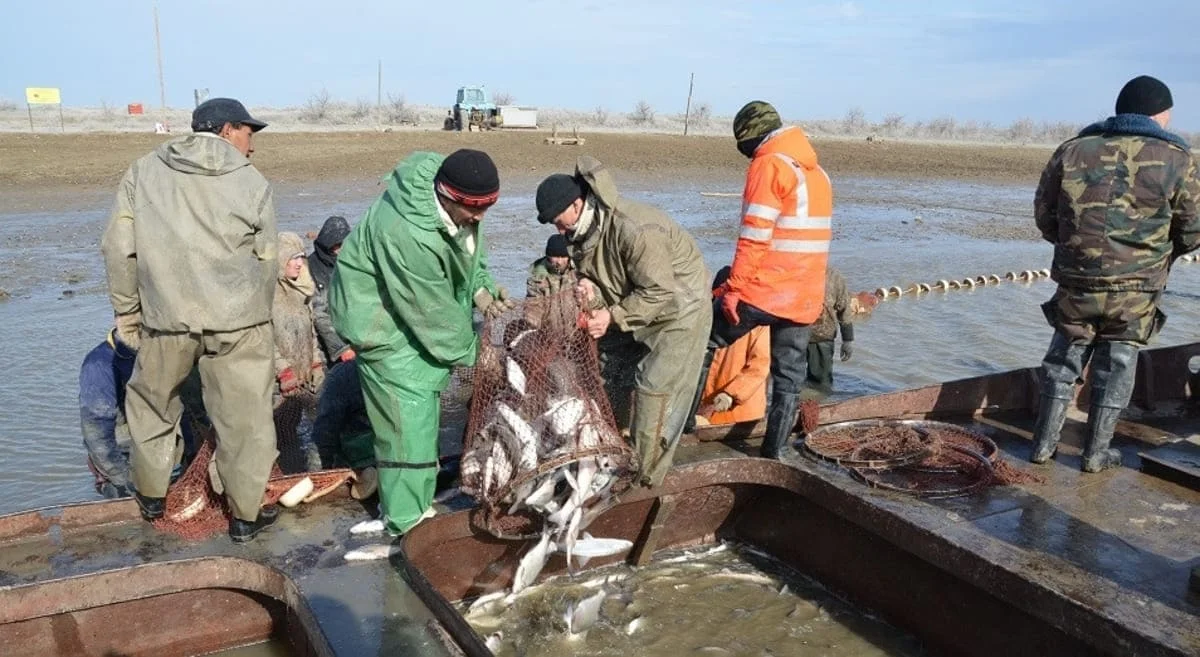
[[1061, 368], [1114, 366]]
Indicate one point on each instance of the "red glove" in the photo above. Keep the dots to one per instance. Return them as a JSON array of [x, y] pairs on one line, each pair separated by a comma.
[[288, 381], [347, 356], [729, 307], [720, 290]]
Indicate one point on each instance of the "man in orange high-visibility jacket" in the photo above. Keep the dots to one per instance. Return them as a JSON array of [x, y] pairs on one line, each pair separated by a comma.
[[778, 277]]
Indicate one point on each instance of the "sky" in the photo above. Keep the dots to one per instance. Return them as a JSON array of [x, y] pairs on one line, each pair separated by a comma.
[[980, 61]]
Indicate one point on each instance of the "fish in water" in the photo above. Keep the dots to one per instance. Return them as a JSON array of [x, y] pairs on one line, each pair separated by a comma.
[[532, 563], [484, 600], [582, 615], [493, 641], [635, 625]]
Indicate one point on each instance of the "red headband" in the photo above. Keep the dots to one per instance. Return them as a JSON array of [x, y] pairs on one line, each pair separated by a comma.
[[472, 200]]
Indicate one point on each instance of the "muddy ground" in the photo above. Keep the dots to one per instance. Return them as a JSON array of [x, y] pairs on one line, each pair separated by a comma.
[[49, 172]]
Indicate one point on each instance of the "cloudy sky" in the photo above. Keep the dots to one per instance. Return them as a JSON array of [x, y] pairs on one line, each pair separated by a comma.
[[983, 61]]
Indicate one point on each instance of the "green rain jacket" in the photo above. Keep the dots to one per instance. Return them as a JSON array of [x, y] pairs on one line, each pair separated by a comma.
[[402, 289]]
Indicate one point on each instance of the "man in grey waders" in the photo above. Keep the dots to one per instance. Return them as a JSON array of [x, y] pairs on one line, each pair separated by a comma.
[[190, 255]]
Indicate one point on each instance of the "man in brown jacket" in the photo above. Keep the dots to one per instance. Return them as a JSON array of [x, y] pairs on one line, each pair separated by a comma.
[[835, 317], [190, 256], [646, 281]]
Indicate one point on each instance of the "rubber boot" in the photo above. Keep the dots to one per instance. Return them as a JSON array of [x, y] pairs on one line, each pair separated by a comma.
[[781, 419], [647, 428], [1114, 368], [1046, 433], [1097, 455]]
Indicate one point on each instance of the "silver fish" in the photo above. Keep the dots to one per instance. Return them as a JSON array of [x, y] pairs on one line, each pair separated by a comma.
[[532, 563], [752, 578], [565, 415], [373, 552], [485, 600], [582, 615], [590, 547], [542, 494], [493, 641], [526, 439], [635, 625], [572, 533], [516, 376]]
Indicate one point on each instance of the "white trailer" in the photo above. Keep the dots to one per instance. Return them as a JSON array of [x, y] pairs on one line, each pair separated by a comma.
[[517, 116]]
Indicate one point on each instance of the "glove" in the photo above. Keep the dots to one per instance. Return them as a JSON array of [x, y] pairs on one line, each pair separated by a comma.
[[347, 355], [288, 381], [722, 402], [729, 308], [129, 329], [847, 351], [493, 306]]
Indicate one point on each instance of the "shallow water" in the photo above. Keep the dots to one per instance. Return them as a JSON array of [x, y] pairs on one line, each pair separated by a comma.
[[877, 242], [270, 648], [728, 600]]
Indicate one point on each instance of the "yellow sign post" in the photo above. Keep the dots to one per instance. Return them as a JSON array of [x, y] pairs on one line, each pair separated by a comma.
[[44, 96]]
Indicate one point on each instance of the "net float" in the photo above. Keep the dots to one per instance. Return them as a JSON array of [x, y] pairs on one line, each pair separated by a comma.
[[1011, 276], [968, 283], [923, 287], [896, 291], [993, 279], [297, 493], [942, 285]]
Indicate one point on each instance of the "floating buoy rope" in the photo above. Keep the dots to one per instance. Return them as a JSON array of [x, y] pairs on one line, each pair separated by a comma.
[[972, 282]]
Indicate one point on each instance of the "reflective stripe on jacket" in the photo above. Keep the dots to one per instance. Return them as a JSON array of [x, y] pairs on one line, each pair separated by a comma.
[[783, 247]]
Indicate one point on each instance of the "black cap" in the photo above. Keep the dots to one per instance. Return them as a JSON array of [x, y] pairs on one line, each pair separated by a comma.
[[556, 246], [213, 113], [1144, 95], [555, 194]]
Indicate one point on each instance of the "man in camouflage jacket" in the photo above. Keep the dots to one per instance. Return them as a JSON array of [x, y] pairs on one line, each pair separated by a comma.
[[1119, 204]]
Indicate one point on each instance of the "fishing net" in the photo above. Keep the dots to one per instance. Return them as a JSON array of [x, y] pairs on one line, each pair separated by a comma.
[[196, 509], [923, 458], [538, 404]]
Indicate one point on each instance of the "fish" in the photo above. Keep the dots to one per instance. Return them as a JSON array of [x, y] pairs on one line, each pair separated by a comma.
[[493, 641], [542, 494], [516, 377], [635, 625], [571, 533], [590, 547], [525, 437], [296, 494], [602, 581], [752, 578], [190, 511], [485, 600], [373, 552], [368, 527], [521, 336], [532, 563], [564, 415], [582, 615]]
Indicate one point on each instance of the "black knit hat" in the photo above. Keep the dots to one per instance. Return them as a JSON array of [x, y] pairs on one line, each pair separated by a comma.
[[555, 194], [556, 246], [468, 177], [1144, 95]]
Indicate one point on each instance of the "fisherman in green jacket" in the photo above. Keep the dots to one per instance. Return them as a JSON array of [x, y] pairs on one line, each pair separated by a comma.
[[402, 295], [646, 283]]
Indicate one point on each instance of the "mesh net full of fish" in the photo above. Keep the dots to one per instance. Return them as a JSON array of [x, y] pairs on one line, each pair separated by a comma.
[[195, 510], [538, 404], [924, 458]]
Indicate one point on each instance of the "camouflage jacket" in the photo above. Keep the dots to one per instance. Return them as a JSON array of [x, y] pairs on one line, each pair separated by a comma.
[[543, 282], [1119, 204], [836, 311]]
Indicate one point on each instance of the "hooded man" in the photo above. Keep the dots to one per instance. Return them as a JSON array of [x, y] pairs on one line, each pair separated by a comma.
[[402, 295], [1118, 202], [320, 263], [647, 286], [190, 256], [553, 272], [836, 317], [778, 276]]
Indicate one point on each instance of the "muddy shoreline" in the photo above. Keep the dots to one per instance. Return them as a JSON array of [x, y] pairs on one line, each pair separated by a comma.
[[57, 172]]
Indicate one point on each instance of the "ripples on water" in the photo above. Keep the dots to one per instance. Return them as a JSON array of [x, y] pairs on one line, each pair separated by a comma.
[[908, 342]]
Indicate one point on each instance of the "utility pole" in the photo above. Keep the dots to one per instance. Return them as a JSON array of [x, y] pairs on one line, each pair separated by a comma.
[[687, 113], [162, 86]]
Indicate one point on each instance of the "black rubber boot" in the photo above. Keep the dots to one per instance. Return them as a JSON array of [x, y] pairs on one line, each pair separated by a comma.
[[781, 419], [1097, 455], [241, 531], [1114, 369], [1046, 433], [151, 507]]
